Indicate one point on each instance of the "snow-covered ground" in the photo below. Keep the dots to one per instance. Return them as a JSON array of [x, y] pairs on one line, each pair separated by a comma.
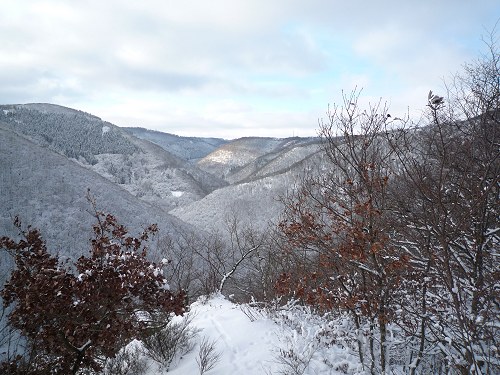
[[251, 341], [245, 346]]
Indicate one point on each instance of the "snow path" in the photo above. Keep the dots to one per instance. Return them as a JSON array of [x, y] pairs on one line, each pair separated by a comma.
[[246, 347], [250, 342]]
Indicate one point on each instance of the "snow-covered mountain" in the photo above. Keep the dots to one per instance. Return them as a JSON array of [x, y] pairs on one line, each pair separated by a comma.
[[256, 171], [228, 160], [187, 148], [255, 199], [48, 191], [144, 169], [243, 177]]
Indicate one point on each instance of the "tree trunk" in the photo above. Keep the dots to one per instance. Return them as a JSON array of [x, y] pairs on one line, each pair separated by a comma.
[[383, 342]]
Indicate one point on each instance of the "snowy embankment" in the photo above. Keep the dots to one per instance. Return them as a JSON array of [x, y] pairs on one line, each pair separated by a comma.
[[251, 341]]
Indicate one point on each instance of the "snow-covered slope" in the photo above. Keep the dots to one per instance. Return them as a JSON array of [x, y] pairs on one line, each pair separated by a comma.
[[235, 155], [48, 191], [252, 341], [144, 169], [187, 148], [275, 162], [245, 346], [255, 203]]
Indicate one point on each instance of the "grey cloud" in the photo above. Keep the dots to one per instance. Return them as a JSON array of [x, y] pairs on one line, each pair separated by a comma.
[[22, 86], [278, 50], [144, 79]]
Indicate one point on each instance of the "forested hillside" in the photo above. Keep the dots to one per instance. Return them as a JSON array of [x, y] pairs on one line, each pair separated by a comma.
[[230, 158], [147, 171], [187, 148], [255, 198], [48, 191], [47, 125]]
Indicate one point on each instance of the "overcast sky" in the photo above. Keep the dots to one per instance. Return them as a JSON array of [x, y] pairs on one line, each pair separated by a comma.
[[230, 68]]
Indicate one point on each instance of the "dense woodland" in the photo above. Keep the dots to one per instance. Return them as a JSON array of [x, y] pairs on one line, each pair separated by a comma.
[[396, 232], [87, 138]]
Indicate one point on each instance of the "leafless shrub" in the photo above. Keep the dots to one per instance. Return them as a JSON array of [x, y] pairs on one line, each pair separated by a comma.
[[294, 363], [173, 341], [208, 356], [253, 312]]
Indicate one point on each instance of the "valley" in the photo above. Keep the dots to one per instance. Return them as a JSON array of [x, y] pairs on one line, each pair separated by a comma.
[[313, 239], [156, 172]]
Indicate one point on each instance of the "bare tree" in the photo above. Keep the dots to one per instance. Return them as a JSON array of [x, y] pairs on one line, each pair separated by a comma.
[[448, 213], [216, 262], [340, 223]]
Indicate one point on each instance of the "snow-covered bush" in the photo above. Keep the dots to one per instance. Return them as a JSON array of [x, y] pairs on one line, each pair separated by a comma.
[[128, 361], [313, 343], [74, 314]]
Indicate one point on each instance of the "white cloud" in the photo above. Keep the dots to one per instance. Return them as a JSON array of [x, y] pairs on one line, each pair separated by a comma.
[[223, 65]]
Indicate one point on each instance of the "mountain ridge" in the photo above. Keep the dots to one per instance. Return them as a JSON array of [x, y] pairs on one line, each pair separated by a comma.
[[146, 170], [249, 179], [48, 191], [188, 148]]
